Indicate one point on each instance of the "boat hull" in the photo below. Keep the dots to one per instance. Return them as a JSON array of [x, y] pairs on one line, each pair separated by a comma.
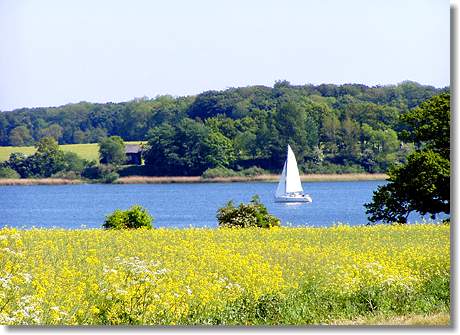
[[294, 198]]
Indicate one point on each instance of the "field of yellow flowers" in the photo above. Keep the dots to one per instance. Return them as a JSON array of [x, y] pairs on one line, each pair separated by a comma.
[[222, 276]]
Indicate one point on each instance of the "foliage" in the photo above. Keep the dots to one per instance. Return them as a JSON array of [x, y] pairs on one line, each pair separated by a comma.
[[330, 168], [133, 218], [429, 125], [254, 214], [7, 172], [225, 172], [422, 184], [74, 163], [112, 150], [188, 148], [252, 171], [20, 136], [282, 276], [219, 172], [47, 160], [326, 124], [103, 172]]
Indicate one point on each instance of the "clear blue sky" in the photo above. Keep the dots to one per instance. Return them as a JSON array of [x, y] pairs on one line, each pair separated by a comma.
[[56, 52]]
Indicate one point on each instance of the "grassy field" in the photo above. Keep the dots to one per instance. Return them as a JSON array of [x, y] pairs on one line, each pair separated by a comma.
[[87, 151], [290, 276]]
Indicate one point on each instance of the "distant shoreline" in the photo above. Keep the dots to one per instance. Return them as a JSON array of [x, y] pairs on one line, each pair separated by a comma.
[[199, 179]]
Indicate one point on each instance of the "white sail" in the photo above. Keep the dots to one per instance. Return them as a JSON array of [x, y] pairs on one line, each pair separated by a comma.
[[289, 188], [281, 190], [293, 183]]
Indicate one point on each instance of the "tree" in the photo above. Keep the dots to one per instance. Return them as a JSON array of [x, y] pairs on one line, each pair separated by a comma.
[[20, 136], [423, 183], [218, 150], [54, 131], [19, 163], [429, 125], [112, 150], [48, 159], [188, 148]]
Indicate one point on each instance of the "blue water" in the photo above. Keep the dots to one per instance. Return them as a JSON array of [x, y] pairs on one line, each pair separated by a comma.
[[177, 205]]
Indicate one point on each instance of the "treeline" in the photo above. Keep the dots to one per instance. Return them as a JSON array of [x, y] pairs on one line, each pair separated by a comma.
[[331, 128]]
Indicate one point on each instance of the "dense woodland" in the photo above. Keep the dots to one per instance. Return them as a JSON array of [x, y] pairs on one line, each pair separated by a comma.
[[331, 128]]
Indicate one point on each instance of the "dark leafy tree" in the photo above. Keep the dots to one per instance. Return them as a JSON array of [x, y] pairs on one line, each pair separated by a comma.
[[19, 162], [112, 150], [423, 183], [48, 159], [429, 125]]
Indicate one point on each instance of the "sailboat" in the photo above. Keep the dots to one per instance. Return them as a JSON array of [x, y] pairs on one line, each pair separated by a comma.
[[289, 187]]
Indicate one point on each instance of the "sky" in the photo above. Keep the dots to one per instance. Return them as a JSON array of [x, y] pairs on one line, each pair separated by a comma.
[[58, 52]]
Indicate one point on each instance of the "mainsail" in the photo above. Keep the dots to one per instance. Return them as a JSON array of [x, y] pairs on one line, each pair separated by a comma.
[[293, 183], [290, 178]]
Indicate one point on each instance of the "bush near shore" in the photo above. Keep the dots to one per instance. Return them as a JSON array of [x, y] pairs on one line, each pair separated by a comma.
[[289, 276]]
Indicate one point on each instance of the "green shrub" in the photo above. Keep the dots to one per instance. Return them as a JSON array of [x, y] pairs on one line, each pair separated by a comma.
[[66, 175], [254, 214], [252, 171], [225, 172], [218, 172], [103, 173], [74, 163], [330, 168], [6, 172], [133, 218], [110, 177]]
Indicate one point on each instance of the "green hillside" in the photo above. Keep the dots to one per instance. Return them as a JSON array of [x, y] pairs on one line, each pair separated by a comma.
[[87, 151]]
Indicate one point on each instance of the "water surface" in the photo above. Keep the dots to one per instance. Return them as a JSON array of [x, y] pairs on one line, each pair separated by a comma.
[[177, 205]]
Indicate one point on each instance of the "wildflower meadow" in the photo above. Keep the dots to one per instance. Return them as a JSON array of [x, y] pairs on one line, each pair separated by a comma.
[[197, 276]]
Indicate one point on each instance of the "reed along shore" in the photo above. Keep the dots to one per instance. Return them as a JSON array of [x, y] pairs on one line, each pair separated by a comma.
[[199, 179]]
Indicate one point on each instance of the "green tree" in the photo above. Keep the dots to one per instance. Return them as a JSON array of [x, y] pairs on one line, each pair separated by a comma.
[[20, 136], [423, 183], [429, 125], [73, 162], [48, 159], [291, 120], [55, 131], [20, 163], [112, 150], [219, 151]]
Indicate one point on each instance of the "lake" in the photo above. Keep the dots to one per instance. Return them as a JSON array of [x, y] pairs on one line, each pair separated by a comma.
[[178, 205]]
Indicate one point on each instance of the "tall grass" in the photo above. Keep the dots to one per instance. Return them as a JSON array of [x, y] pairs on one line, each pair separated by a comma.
[[260, 178], [292, 276], [38, 181]]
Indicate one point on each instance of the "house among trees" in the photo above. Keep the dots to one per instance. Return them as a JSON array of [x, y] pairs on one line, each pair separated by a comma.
[[133, 154]]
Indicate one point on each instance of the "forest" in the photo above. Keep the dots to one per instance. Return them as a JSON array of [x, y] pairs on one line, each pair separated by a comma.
[[331, 128]]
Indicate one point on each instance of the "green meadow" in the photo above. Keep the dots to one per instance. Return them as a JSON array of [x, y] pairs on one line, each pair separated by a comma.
[[87, 151]]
